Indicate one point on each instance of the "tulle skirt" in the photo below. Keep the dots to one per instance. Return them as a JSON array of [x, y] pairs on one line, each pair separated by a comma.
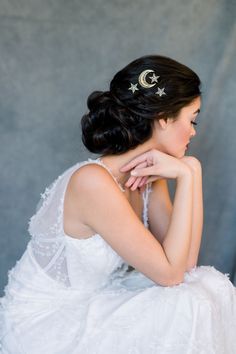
[[132, 315]]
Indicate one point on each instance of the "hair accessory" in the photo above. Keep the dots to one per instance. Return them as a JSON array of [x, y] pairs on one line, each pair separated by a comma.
[[133, 87], [160, 91], [142, 81], [154, 78]]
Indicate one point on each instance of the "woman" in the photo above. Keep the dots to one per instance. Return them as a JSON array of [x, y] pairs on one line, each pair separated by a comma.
[[111, 264]]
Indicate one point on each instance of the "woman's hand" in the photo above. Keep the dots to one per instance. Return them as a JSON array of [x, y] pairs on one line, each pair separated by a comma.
[[153, 165]]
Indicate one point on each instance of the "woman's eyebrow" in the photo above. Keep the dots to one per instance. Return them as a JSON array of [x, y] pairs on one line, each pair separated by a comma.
[[197, 111]]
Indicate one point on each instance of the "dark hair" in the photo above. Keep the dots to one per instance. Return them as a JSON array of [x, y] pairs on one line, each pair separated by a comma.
[[119, 119]]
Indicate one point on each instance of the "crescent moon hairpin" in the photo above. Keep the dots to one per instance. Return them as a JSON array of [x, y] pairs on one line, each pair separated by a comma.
[[142, 81]]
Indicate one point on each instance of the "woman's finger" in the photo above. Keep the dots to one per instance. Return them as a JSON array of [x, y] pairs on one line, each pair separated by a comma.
[[136, 183], [141, 164], [143, 180], [133, 163], [148, 171], [130, 181], [142, 189], [133, 181]]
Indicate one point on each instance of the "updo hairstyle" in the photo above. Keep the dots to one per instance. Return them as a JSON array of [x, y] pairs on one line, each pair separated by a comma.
[[120, 119]]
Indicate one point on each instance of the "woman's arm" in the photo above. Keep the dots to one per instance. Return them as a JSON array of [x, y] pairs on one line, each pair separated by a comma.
[[197, 217], [177, 238], [160, 209]]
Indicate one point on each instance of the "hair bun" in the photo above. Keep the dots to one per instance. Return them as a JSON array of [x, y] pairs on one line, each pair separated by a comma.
[[98, 98], [108, 127]]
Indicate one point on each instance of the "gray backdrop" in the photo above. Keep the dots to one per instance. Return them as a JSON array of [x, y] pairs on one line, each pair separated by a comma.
[[53, 53]]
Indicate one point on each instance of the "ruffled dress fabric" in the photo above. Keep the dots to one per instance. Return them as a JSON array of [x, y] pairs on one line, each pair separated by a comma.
[[77, 296]]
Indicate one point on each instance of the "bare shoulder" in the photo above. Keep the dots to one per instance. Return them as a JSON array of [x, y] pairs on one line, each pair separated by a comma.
[[92, 178], [99, 200], [85, 192], [92, 187]]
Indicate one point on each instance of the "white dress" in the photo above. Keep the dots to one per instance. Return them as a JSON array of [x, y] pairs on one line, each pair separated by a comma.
[[76, 296]]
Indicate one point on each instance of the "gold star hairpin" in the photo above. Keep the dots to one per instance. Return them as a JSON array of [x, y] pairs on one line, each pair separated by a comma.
[[154, 78], [133, 87], [160, 91], [142, 81]]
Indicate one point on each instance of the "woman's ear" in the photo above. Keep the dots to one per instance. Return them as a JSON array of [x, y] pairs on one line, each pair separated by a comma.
[[164, 122]]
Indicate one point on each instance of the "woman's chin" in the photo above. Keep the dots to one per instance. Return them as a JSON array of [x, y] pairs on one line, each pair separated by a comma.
[[177, 155], [183, 152]]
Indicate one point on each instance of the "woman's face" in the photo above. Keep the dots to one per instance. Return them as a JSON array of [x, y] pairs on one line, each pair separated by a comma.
[[173, 136]]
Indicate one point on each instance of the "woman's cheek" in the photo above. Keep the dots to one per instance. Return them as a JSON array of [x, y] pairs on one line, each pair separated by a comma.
[[184, 135]]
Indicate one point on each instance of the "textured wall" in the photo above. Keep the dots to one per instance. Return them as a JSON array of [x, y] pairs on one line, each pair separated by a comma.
[[53, 53]]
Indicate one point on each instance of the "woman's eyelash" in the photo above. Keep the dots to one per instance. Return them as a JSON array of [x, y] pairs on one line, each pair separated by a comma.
[[192, 121]]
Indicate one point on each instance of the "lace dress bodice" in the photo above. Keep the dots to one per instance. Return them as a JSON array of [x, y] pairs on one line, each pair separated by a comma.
[[85, 264]]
